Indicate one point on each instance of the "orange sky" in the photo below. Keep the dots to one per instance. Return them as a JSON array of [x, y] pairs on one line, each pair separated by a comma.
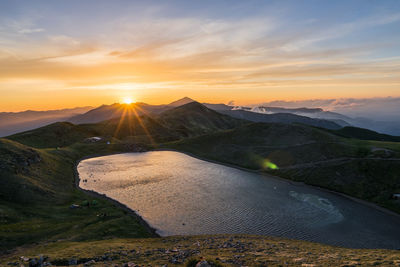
[[99, 54]]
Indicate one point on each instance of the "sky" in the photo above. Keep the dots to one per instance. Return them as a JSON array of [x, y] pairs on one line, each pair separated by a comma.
[[58, 54]]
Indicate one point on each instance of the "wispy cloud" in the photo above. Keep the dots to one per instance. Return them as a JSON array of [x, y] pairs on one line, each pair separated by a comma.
[[257, 53], [380, 108]]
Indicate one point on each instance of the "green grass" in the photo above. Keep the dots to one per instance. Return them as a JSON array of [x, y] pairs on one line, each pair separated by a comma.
[[35, 200], [221, 250], [37, 176], [359, 168], [364, 134]]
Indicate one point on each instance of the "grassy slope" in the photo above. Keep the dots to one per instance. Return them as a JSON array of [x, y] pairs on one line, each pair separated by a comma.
[[37, 179], [37, 174], [58, 134], [37, 188], [188, 120], [227, 250], [310, 155], [194, 118], [365, 134]]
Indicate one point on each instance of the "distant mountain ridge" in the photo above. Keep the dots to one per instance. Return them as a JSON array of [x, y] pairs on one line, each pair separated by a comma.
[[14, 122], [40, 164], [309, 116], [180, 102], [116, 110], [188, 120], [387, 127]]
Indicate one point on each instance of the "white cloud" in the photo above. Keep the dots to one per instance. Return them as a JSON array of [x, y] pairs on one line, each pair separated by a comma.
[[379, 108], [32, 30]]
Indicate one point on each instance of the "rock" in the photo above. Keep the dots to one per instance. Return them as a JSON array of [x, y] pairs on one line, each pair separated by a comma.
[[129, 264], [23, 258], [41, 260], [174, 260], [74, 206], [203, 263], [33, 263], [88, 263], [72, 262]]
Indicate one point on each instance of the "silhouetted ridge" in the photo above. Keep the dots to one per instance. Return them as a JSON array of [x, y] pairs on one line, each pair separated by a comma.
[[182, 101], [365, 134], [194, 119], [58, 134]]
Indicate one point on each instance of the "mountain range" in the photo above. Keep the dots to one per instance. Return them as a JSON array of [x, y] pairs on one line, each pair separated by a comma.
[[384, 126], [11, 123], [38, 167], [14, 122]]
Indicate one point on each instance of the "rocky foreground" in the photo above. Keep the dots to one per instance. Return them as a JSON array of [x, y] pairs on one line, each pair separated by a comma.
[[219, 250]]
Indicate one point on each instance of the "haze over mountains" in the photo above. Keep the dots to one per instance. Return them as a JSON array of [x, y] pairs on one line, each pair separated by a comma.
[[14, 122], [11, 123], [39, 163], [379, 113]]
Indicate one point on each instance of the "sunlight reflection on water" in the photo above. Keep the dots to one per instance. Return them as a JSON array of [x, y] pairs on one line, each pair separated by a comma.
[[178, 194]]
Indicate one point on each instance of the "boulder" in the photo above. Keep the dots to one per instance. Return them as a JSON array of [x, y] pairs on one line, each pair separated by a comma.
[[203, 263]]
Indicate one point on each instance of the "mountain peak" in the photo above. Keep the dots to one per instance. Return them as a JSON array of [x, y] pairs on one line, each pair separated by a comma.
[[181, 102]]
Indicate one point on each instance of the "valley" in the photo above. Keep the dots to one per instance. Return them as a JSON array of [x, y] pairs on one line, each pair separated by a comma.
[[38, 168]]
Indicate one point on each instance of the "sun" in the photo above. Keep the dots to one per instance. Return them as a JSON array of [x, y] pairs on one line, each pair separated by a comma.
[[127, 100]]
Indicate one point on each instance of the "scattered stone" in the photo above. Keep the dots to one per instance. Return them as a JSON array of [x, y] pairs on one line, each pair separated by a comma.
[[72, 262], [203, 263], [88, 263], [33, 263], [23, 258], [41, 260], [129, 264], [174, 260], [74, 206]]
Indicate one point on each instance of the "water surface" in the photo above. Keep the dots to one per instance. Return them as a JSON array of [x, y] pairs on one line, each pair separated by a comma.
[[181, 195]]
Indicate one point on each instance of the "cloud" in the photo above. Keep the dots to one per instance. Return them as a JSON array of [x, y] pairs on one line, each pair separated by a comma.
[[378, 108], [256, 55], [27, 31]]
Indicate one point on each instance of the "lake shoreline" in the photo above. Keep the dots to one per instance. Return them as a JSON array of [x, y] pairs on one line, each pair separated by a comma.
[[153, 230], [131, 212], [361, 201]]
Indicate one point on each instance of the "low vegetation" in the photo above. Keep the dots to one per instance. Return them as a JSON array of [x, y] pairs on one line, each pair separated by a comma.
[[217, 250], [36, 193], [368, 170], [43, 212]]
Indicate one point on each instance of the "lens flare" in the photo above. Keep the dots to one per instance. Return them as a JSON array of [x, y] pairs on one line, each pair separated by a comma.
[[270, 165]]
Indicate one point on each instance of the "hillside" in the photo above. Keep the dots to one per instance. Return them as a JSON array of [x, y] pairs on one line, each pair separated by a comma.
[[108, 112], [219, 250], [309, 155], [280, 118], [194, 119], [58, 134], [40, 166], [37, 174], [183, 101], [15, 122], [365, 134], [188, 120], [37, 188]]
